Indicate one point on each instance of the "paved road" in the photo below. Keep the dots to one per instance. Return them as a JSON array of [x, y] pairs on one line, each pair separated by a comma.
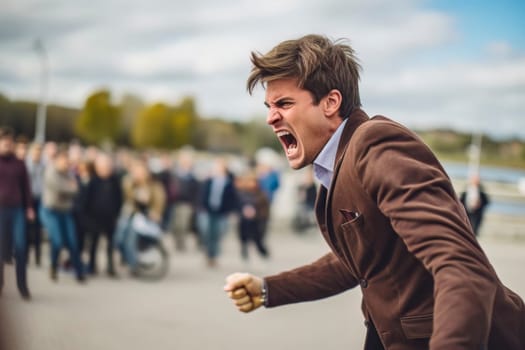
[[188, 310]]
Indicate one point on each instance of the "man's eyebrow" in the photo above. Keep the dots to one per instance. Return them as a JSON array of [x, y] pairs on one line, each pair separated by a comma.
[[279, 102]]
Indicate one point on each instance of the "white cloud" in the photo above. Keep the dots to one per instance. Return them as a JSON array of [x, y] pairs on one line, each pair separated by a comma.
[[165, 49]]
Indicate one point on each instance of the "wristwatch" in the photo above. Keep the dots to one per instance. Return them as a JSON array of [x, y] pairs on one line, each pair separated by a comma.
[[264, 294]]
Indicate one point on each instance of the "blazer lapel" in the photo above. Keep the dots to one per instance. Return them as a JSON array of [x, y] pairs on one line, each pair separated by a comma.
[[355, 119]]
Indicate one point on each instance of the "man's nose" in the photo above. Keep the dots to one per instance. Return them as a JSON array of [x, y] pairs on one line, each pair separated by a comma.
[[273, 116]]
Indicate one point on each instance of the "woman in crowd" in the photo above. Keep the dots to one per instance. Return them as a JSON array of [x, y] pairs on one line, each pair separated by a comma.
[[142, 194], [60, 188], [253, 214]]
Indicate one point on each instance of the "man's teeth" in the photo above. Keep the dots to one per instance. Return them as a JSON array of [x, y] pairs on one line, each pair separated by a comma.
[[282, 133], [291, 149]]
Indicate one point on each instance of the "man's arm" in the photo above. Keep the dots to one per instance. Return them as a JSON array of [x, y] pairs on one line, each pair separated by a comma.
[[409, 186], [325, 277]]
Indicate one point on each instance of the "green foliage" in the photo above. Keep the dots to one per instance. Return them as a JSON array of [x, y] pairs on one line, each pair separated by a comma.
[[99, 121], [166, 126], [130, 107], [216, 135], [163, 126], [150, 127], [21, 116], [255, 134], [446, 141]]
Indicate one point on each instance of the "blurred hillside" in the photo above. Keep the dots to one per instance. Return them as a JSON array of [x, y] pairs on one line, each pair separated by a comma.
[[451, 145], [133, 123]]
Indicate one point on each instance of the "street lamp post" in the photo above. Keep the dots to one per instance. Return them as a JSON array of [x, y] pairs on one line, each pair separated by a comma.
[[40, 128]]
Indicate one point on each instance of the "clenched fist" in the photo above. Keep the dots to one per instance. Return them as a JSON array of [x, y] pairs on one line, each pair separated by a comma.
[[245, 290]]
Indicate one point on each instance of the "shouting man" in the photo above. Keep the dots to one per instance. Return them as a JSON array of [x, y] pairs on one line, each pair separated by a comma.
[[386, 208]]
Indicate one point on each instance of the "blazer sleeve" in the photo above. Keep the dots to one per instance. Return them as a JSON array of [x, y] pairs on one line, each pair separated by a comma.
[[411, 188], [325, 277]]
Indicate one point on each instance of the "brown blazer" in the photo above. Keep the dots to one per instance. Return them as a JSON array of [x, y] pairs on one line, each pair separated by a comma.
[[397, 230]]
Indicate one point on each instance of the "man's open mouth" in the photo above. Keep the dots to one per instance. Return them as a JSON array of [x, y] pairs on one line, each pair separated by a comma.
[[288, 141]]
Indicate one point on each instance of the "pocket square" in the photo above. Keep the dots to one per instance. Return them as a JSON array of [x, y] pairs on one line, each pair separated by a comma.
[[349, 215]]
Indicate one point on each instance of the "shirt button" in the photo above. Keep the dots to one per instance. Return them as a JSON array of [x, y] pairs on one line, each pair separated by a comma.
[[363, 283]]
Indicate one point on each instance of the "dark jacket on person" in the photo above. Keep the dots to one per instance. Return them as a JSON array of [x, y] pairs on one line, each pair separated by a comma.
[[256, 199], [104, 200], [187, 188], [15, 189], [397, 230], [228, 201]]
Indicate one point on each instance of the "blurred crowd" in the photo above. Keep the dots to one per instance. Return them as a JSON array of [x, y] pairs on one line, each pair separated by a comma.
[[71, 197]]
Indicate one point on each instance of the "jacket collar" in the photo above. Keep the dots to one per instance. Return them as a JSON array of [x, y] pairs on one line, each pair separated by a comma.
[[356, 118], [324, 198]]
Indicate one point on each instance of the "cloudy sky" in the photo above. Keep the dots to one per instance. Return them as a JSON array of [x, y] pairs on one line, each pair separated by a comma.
[[426, 63]]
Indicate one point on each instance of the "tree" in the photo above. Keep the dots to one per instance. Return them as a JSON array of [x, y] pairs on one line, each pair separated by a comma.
[[99, 120], [163, 126], [130, 107], [184, 123], [151, 127]]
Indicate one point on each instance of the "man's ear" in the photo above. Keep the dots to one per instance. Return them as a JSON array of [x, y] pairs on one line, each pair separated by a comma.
[[332, 102]]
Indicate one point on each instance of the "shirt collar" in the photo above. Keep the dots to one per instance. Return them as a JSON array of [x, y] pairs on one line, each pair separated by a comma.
[[325, 162]]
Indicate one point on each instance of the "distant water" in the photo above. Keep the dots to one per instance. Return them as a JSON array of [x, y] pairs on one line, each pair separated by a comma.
[[493, 174], [487, 173]]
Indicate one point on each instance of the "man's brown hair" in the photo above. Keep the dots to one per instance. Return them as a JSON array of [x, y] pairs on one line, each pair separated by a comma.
[[319, 65]]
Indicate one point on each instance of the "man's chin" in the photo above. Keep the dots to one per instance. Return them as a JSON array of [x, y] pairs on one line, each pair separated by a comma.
[[297, 164]]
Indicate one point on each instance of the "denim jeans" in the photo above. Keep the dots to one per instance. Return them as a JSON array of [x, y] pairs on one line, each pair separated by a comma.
[[34, 233], [60, 227], [13, 237], [213, 228], [126, 240]]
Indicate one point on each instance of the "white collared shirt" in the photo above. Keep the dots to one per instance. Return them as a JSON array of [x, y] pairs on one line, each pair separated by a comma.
[[324, 164]]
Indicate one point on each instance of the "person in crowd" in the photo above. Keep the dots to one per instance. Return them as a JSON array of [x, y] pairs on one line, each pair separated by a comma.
[[269, 180], [387, 210], [49, 151], [219, 199], [60, 189], [84, 173], [141, 193], [21, 147], [186, 200], [76, 156], [36, 167], [16, 208], [103, 203], [123, 160], [307, 193], [91, 153], [253, 213], [165, 176], [475, 200]]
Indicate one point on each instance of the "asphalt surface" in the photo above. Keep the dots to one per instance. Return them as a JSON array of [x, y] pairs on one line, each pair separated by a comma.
[[189, 310]]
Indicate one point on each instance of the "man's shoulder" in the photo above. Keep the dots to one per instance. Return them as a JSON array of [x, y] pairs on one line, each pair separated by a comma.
[[380, 126], [379, 130]]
